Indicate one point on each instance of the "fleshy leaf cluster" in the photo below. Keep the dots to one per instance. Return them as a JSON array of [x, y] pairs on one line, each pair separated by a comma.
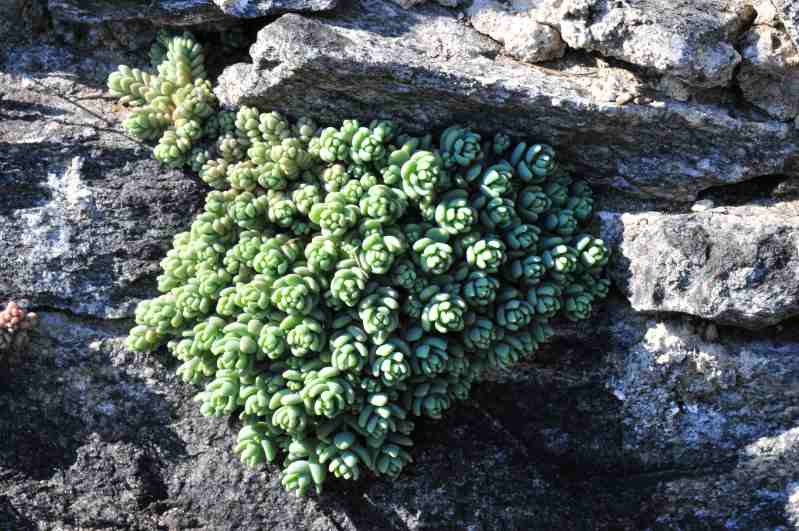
[[342, 282]]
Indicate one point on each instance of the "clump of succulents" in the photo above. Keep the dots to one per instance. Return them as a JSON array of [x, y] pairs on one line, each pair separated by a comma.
[[343, 281], [15, 323]]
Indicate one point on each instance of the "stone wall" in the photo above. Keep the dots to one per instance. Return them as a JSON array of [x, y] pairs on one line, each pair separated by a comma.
[[675, 407]]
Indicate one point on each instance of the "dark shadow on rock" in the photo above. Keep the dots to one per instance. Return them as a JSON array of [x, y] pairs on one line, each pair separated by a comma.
[[11, 519]]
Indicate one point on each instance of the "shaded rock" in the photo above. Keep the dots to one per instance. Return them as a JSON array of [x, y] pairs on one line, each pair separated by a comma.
[[690, 41], [115, 441], [788, 13], [265, 8], [360, 64], [88, 212], [769, 74], [159, 12], [760, 492], [522, 37], [691, 402], [735, 266]]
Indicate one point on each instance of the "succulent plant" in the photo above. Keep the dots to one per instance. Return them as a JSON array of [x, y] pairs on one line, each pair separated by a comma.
[[340, 282]]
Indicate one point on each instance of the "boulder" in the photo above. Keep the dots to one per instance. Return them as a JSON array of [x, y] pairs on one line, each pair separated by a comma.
[[522, 37], [427, 70], [769, 73], [88, 213], [733, 265], [267, 8]]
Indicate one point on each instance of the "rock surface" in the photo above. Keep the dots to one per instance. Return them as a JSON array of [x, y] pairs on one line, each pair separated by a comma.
[[769, 73], [630, 420], [88, 212], [266, 8], [736, 266], [360, 64], [170, 12], [522, 37]]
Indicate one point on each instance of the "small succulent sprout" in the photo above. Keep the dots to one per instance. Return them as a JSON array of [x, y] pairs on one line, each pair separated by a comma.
[[384, 130], [379, 417], [534, 163], [247, 121], [480, 289], [304, 129], [562, 222], [379, 312], [349, 282], [272, 342], [147, 123], [248, 210], [495, 212], [444, 313], [238, 348], [454, 214], [428, 398], [430, 355], [383, 204], [481, 334], [390, 459], [346, 457], [513, 312], [350, 349], [306, 196], [545, 299], [377, 252], [290, 156], [460, 147], [577, 303], [327, 394], [243, 176], [531, 203], [522, 238], [497, 180], [273, 127], [253, 296], [558, 191], [305, 334], [421, 174], [390, 362], [598, 287], [433, 252], [221, 395], [487, 254], [501, 143], [335, 146], [295, 294], [529, 270], [561, 260], [256, 443], [366, 147], [322, 254], [504, 354], [129, 85], [594, 254], [581, 206], [334, 216], [230, 148]]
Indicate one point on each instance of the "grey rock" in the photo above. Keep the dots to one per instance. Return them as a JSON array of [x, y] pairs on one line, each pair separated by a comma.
[[427, 70], [735, 266], [522, 37], [87, 211], [759, 492], [160, 12], [690, 402], [769, 73], [689, 40], [265, 8], [113, 440], [788, 12]]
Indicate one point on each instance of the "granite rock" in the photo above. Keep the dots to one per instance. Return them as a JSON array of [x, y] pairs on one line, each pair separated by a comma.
[[733, 265], [426, 69]]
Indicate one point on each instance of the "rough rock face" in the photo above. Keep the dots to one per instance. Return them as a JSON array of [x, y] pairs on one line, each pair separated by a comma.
[[736, 266], [177, 12], [360, 64], [87, 212], [769, 74], [522, 37], [640, 418], [265, 8]]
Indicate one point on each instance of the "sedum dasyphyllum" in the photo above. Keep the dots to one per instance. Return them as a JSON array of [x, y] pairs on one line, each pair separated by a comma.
[[343, 281]]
